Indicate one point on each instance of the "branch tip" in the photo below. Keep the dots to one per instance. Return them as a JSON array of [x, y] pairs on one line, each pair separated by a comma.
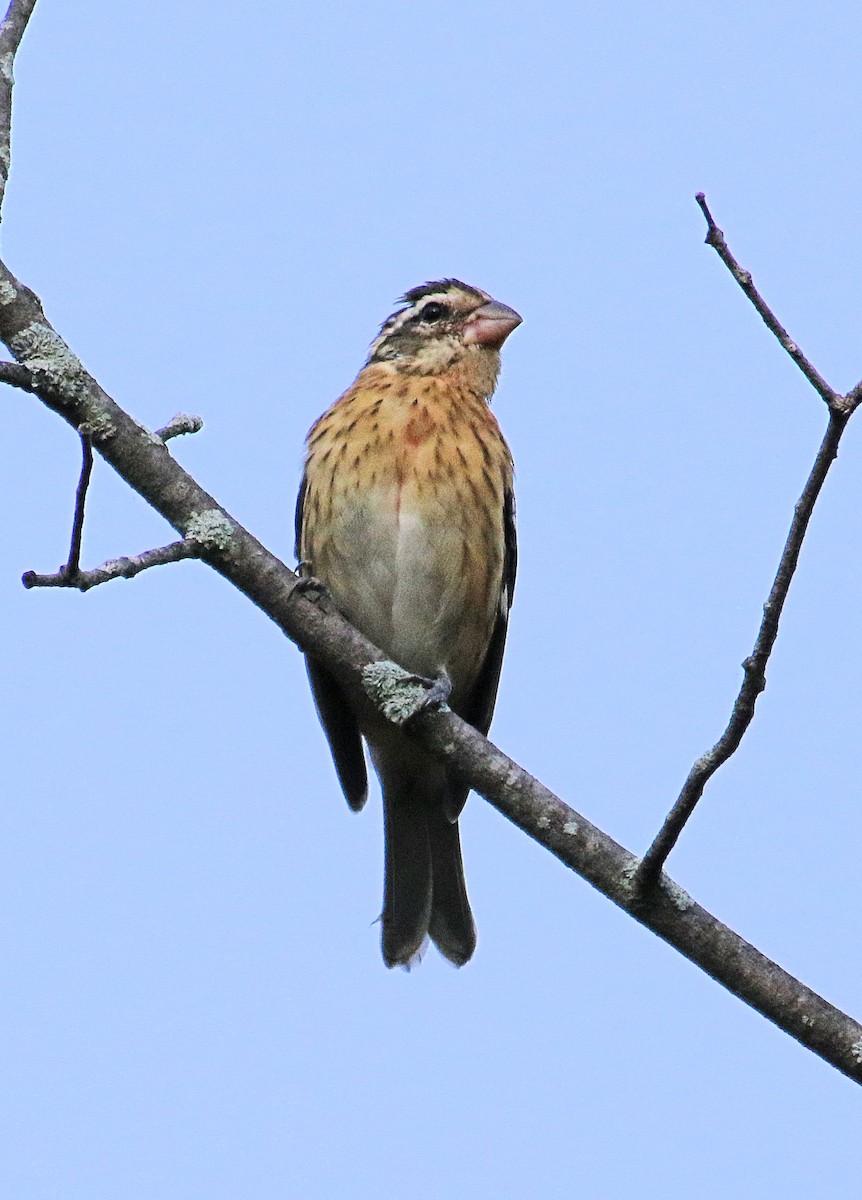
[[180, 424], [715, 238]]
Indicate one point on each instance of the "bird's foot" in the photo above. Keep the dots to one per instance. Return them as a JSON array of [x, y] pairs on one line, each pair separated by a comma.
[[310, 586], [437, 691], [401, 695]]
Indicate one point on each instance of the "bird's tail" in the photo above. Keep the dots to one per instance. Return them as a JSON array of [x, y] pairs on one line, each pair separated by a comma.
[[424, 892]]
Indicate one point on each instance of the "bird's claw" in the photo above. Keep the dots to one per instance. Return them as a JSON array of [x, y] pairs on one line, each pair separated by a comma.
[[437, 691], [401, 696], [310, 586]]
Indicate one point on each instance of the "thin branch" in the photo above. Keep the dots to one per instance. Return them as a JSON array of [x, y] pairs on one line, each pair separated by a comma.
[[115, 568], [70, 575], [17, 376], [11, 32], [12, 28], [73, 565], [180, 424], [715, 238], [852, 400], [754, 667]]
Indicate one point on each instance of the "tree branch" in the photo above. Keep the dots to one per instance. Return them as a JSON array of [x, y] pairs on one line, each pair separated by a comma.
[[73, 565], [11, 32], [178, 425], [852, 400], [115, 568], [715, 238], [17, 376], [754, 667]]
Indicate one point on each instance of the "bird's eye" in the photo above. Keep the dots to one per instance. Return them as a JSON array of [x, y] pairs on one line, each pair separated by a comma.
[[434, 311]]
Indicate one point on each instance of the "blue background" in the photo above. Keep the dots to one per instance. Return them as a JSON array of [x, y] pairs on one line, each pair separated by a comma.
[[218, 205]]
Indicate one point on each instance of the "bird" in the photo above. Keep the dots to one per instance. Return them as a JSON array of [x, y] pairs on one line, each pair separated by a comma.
[[406, 517]]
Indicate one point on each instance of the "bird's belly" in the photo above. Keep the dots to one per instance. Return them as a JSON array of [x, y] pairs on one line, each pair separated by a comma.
[[403, 570]]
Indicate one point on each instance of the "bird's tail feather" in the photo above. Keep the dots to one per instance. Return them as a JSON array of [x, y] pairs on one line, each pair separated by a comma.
[[407, 890], [451, 926], [424, 891]]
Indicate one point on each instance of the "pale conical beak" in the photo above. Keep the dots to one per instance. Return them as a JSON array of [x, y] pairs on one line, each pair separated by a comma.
[[490, 325]]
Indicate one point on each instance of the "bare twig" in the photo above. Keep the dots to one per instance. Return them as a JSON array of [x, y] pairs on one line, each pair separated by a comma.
[[754, 667], [72, 567], [69, 574], [116, 568], [180, 424], [17, 376], [715, 238], [852, 400], [11, 32]]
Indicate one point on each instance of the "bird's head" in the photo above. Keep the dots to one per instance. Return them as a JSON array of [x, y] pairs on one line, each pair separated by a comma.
[[442, 325]]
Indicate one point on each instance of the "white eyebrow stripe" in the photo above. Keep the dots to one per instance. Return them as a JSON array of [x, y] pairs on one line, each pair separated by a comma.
[[455, 295]]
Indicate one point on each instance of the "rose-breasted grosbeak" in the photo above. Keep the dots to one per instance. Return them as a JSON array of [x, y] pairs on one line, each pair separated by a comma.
[[406, 514]]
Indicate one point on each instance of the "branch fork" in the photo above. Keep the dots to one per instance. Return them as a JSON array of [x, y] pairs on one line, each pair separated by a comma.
[[754, 666], [70, 574]]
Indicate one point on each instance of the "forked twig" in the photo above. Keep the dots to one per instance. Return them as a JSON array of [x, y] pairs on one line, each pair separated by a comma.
[[754, 667], [70, 574], [126, 567]]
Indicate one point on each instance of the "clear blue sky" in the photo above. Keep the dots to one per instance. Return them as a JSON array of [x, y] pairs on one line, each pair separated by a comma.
[[218, 206]]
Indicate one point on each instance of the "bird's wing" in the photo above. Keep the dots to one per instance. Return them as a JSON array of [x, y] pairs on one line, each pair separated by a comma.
[[336, 717], [342, 733], [478, 708]]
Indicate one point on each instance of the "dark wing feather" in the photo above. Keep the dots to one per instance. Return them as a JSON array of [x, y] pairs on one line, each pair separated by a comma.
[[342, 733], [297, 520], [478, 709], [336, 717]]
